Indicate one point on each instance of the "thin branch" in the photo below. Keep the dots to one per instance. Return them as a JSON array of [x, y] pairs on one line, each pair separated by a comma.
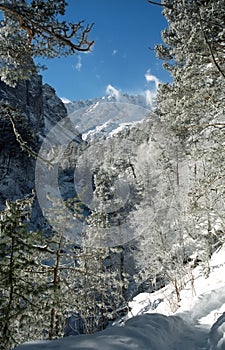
[[44, 248], [33, 27], [22, 143], [209, 46], [222, 125], [162, 5], [79, 47], [212, 22]]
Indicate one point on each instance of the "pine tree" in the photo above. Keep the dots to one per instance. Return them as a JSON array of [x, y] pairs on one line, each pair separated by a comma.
[[20, 286], [193, 50], [31, 29], [193, 106]]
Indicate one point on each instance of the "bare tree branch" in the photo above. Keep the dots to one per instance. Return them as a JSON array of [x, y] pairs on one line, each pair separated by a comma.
[[23, 144], [162, 5], [32, 27]]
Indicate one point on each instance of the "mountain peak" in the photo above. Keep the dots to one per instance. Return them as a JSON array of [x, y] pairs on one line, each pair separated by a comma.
[[107, 115]]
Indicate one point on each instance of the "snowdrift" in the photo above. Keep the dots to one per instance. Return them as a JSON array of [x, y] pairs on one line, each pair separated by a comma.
[[145, 332]]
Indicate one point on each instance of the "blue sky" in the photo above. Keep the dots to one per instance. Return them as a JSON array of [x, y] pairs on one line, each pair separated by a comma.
[[120, 60]]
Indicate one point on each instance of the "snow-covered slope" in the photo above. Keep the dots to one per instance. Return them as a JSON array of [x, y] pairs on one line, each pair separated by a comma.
[[146, 332], [108, 115], [198, 322], [201, 299], [139, 100]]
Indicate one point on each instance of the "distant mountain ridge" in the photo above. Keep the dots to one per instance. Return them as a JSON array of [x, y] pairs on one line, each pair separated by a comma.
[[139, 100], [107, 115]]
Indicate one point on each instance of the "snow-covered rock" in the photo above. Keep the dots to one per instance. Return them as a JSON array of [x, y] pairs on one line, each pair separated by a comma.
[[106, 116], [217, 334]]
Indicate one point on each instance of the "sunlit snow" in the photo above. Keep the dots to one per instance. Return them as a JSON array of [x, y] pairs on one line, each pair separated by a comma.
[[157, 322]]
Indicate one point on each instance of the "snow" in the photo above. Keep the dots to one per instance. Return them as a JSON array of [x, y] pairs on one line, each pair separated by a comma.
[[149, 331], [65, 100], [106, 116], [103, 119], [157, 322]]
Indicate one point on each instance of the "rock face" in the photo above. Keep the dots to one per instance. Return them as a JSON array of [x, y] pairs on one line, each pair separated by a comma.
[[53, 108], [38, 108], [28, 97]]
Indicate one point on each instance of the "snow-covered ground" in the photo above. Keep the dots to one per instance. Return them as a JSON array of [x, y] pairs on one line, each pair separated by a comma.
[[156, 322]]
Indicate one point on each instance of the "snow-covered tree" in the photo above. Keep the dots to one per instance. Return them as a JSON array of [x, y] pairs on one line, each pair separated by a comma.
[[20, 285], [160, 237], [205, 221], [47, 282], [193, 106], [193, 52], [31, 29]]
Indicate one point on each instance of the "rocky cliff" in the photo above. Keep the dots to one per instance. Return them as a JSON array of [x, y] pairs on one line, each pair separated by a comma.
[[36, 108]]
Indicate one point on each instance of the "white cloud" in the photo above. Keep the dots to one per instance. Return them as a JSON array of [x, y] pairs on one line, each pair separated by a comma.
[[65, 100], [110, 90], [149, 77], [79, 64], [150, 96], [114, 52]]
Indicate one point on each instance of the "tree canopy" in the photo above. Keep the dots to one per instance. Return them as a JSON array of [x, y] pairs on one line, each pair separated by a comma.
[[193, 51], [32, 28]]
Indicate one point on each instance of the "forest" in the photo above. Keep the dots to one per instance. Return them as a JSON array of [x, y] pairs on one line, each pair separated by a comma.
[[72, 256]]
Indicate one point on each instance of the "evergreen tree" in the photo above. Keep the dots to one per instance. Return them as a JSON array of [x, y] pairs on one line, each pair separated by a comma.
[[31, 29], [193, 106], [193, 51], [20, 286]]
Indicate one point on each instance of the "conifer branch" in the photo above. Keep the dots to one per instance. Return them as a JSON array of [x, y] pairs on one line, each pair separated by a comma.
[[209, 46], [51, 32]]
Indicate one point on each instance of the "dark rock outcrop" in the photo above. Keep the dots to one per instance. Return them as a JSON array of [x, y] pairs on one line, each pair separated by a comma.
[[53, 108], [37, 109]]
